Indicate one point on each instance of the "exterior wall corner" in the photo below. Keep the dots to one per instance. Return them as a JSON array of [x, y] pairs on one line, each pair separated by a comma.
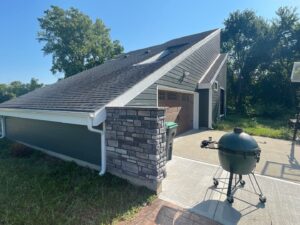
[[136, 145]]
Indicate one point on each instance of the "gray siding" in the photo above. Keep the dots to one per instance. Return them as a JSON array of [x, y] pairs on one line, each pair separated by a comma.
[[71, 140], [203, 107], [221, 78], [196, 64]]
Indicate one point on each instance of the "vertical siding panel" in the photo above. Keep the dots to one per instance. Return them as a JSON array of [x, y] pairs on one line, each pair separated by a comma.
[[221, 78]]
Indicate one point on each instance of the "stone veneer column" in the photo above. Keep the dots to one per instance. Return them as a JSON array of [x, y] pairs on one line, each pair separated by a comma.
[[136, 145]]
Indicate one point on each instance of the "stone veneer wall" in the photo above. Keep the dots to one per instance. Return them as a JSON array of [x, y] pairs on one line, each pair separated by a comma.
[[136, 145]]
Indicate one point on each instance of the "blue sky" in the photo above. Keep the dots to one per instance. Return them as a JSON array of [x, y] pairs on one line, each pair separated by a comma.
[[135, 23]]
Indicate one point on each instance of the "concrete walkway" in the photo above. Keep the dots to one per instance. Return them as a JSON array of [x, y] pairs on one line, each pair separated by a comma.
[[189, 185], [279, 158]]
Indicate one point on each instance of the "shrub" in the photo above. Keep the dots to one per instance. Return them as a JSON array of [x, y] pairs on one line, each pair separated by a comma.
[[270, 110]]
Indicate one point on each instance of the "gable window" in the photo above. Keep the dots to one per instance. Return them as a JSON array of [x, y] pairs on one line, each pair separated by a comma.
[[216, 86]]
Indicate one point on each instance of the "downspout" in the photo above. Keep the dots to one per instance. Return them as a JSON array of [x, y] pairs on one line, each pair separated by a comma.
[[103, 145], [2, 127]]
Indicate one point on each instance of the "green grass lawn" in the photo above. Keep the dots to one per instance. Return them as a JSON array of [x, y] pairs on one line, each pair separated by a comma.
[[274, 128], [38, 189]]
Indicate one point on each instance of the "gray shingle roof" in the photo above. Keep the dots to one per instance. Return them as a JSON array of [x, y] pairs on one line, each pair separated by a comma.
[[94, 88]]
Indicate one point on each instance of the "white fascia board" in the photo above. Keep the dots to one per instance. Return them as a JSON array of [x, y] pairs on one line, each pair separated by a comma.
[[78, 118], [130, 94], [208, 85], [204, 86], [209, 68], [165, 88], [219, 69], [99, 116]]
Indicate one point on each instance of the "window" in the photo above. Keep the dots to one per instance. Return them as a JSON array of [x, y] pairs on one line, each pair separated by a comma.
[[216, 86]]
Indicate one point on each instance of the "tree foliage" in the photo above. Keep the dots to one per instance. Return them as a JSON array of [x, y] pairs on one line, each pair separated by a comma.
[[74, 41], [17, 88], [261, 56]]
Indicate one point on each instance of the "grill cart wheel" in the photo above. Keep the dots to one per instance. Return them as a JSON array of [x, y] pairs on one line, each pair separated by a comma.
[[230, 199], [242, 182], [216, 182], [262, 199]]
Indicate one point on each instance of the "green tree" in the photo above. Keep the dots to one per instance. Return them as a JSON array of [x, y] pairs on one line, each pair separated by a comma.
[[274, 89], [17, 88], [241, 39], [74, 41], [261, 56]]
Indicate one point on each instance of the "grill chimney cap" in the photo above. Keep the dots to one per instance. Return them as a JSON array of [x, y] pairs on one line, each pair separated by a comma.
[[238, 130]]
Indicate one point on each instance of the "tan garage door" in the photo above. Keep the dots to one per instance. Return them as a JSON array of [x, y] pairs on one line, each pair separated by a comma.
[[180, 108]]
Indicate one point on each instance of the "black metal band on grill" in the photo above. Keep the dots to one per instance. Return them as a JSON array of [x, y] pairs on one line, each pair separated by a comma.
[[254, 152]]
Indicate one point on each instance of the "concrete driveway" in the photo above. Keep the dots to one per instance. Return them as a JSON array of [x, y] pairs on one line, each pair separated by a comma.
[[189, 183]]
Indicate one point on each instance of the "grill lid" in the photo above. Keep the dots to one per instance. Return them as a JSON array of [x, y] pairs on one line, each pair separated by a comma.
[[238, 142]]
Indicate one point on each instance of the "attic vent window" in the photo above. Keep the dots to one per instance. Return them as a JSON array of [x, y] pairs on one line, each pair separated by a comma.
[[154, 58]]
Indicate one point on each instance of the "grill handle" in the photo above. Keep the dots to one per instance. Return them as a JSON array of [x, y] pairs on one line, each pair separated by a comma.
[[257, 156], [209, 144]]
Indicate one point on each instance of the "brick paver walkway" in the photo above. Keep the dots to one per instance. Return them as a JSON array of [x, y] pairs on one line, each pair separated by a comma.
[[164, 213]]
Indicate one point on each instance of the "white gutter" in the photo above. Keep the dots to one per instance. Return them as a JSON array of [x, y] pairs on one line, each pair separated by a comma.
[[2, 127], [103, 145], [78, 118]]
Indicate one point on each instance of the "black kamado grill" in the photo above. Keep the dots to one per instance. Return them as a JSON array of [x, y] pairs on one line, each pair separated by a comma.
[[238, 155]]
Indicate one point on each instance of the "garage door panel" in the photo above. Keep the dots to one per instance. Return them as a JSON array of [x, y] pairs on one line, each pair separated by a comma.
[[180, 108]]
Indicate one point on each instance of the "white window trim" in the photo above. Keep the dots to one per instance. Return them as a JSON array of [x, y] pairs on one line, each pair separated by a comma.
[[217, 83], [195, 101]]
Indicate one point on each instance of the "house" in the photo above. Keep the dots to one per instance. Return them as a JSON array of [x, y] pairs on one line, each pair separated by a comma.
[[112, 116]]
